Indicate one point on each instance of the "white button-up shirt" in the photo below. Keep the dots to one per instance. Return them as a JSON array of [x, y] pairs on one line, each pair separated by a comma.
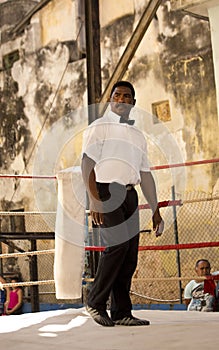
[[118, 149]]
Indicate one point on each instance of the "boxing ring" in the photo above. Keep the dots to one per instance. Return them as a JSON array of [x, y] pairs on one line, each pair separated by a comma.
[[172, 245], [73, 328]]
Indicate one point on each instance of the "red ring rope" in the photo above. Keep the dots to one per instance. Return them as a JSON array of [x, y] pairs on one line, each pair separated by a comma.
[[164, 247]]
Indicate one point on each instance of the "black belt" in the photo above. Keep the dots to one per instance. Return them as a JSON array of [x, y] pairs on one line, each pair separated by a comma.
[[129, 187]]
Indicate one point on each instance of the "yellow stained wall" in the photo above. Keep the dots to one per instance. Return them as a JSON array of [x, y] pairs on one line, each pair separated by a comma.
[[114, 9], [51, 21]]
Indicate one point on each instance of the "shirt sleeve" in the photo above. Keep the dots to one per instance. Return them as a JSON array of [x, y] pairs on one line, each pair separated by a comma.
[[93, 142], [189, 288], [187, 291]]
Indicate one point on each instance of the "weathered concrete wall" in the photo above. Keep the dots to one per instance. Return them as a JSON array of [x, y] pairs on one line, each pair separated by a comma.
[[58, 21], [110, 11], [188, 76], [13, 11], [173, 63], [41, 87]]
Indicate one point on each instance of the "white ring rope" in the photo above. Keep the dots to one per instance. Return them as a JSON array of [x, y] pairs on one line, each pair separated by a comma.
[[154, 299], [152, 279], [26, 284], [207, 199], [22, 213], [6, 285], [37, 252]]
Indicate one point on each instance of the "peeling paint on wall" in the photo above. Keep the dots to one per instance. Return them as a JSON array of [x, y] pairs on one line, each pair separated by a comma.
[[114, 37], [185, 69], [14, 131]]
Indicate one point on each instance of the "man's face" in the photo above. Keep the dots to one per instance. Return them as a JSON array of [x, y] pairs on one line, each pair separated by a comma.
[[122, 101], [203, 268]]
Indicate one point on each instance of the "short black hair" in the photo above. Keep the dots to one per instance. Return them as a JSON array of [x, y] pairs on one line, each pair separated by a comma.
[[204, 260], [15, 278], [123, 83]]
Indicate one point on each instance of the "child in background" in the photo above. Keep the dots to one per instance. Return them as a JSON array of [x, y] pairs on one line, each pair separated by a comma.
[[15, 303]]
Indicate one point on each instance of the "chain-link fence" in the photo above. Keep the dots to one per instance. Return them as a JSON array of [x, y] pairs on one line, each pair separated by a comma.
[[161, 273], [195, 221]]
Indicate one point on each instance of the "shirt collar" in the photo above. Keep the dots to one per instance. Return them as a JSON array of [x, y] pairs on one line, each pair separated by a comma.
[[113, 117]]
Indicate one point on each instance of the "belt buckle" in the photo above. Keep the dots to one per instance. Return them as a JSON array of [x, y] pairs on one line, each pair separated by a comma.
[[129, 187]]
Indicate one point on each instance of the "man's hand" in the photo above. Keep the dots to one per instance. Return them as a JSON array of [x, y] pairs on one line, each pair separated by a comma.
[[158, 223], [97, 218], [149, 191], [96, 212]]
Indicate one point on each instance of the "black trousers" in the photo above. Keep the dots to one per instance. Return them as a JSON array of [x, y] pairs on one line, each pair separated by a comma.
[[120, 235]]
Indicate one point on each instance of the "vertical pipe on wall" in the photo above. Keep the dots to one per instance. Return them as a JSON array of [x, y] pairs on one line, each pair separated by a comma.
[[92, 31]]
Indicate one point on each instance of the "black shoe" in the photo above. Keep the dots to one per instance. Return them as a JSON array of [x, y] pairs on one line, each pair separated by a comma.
[[132, 321], [101, 317]]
